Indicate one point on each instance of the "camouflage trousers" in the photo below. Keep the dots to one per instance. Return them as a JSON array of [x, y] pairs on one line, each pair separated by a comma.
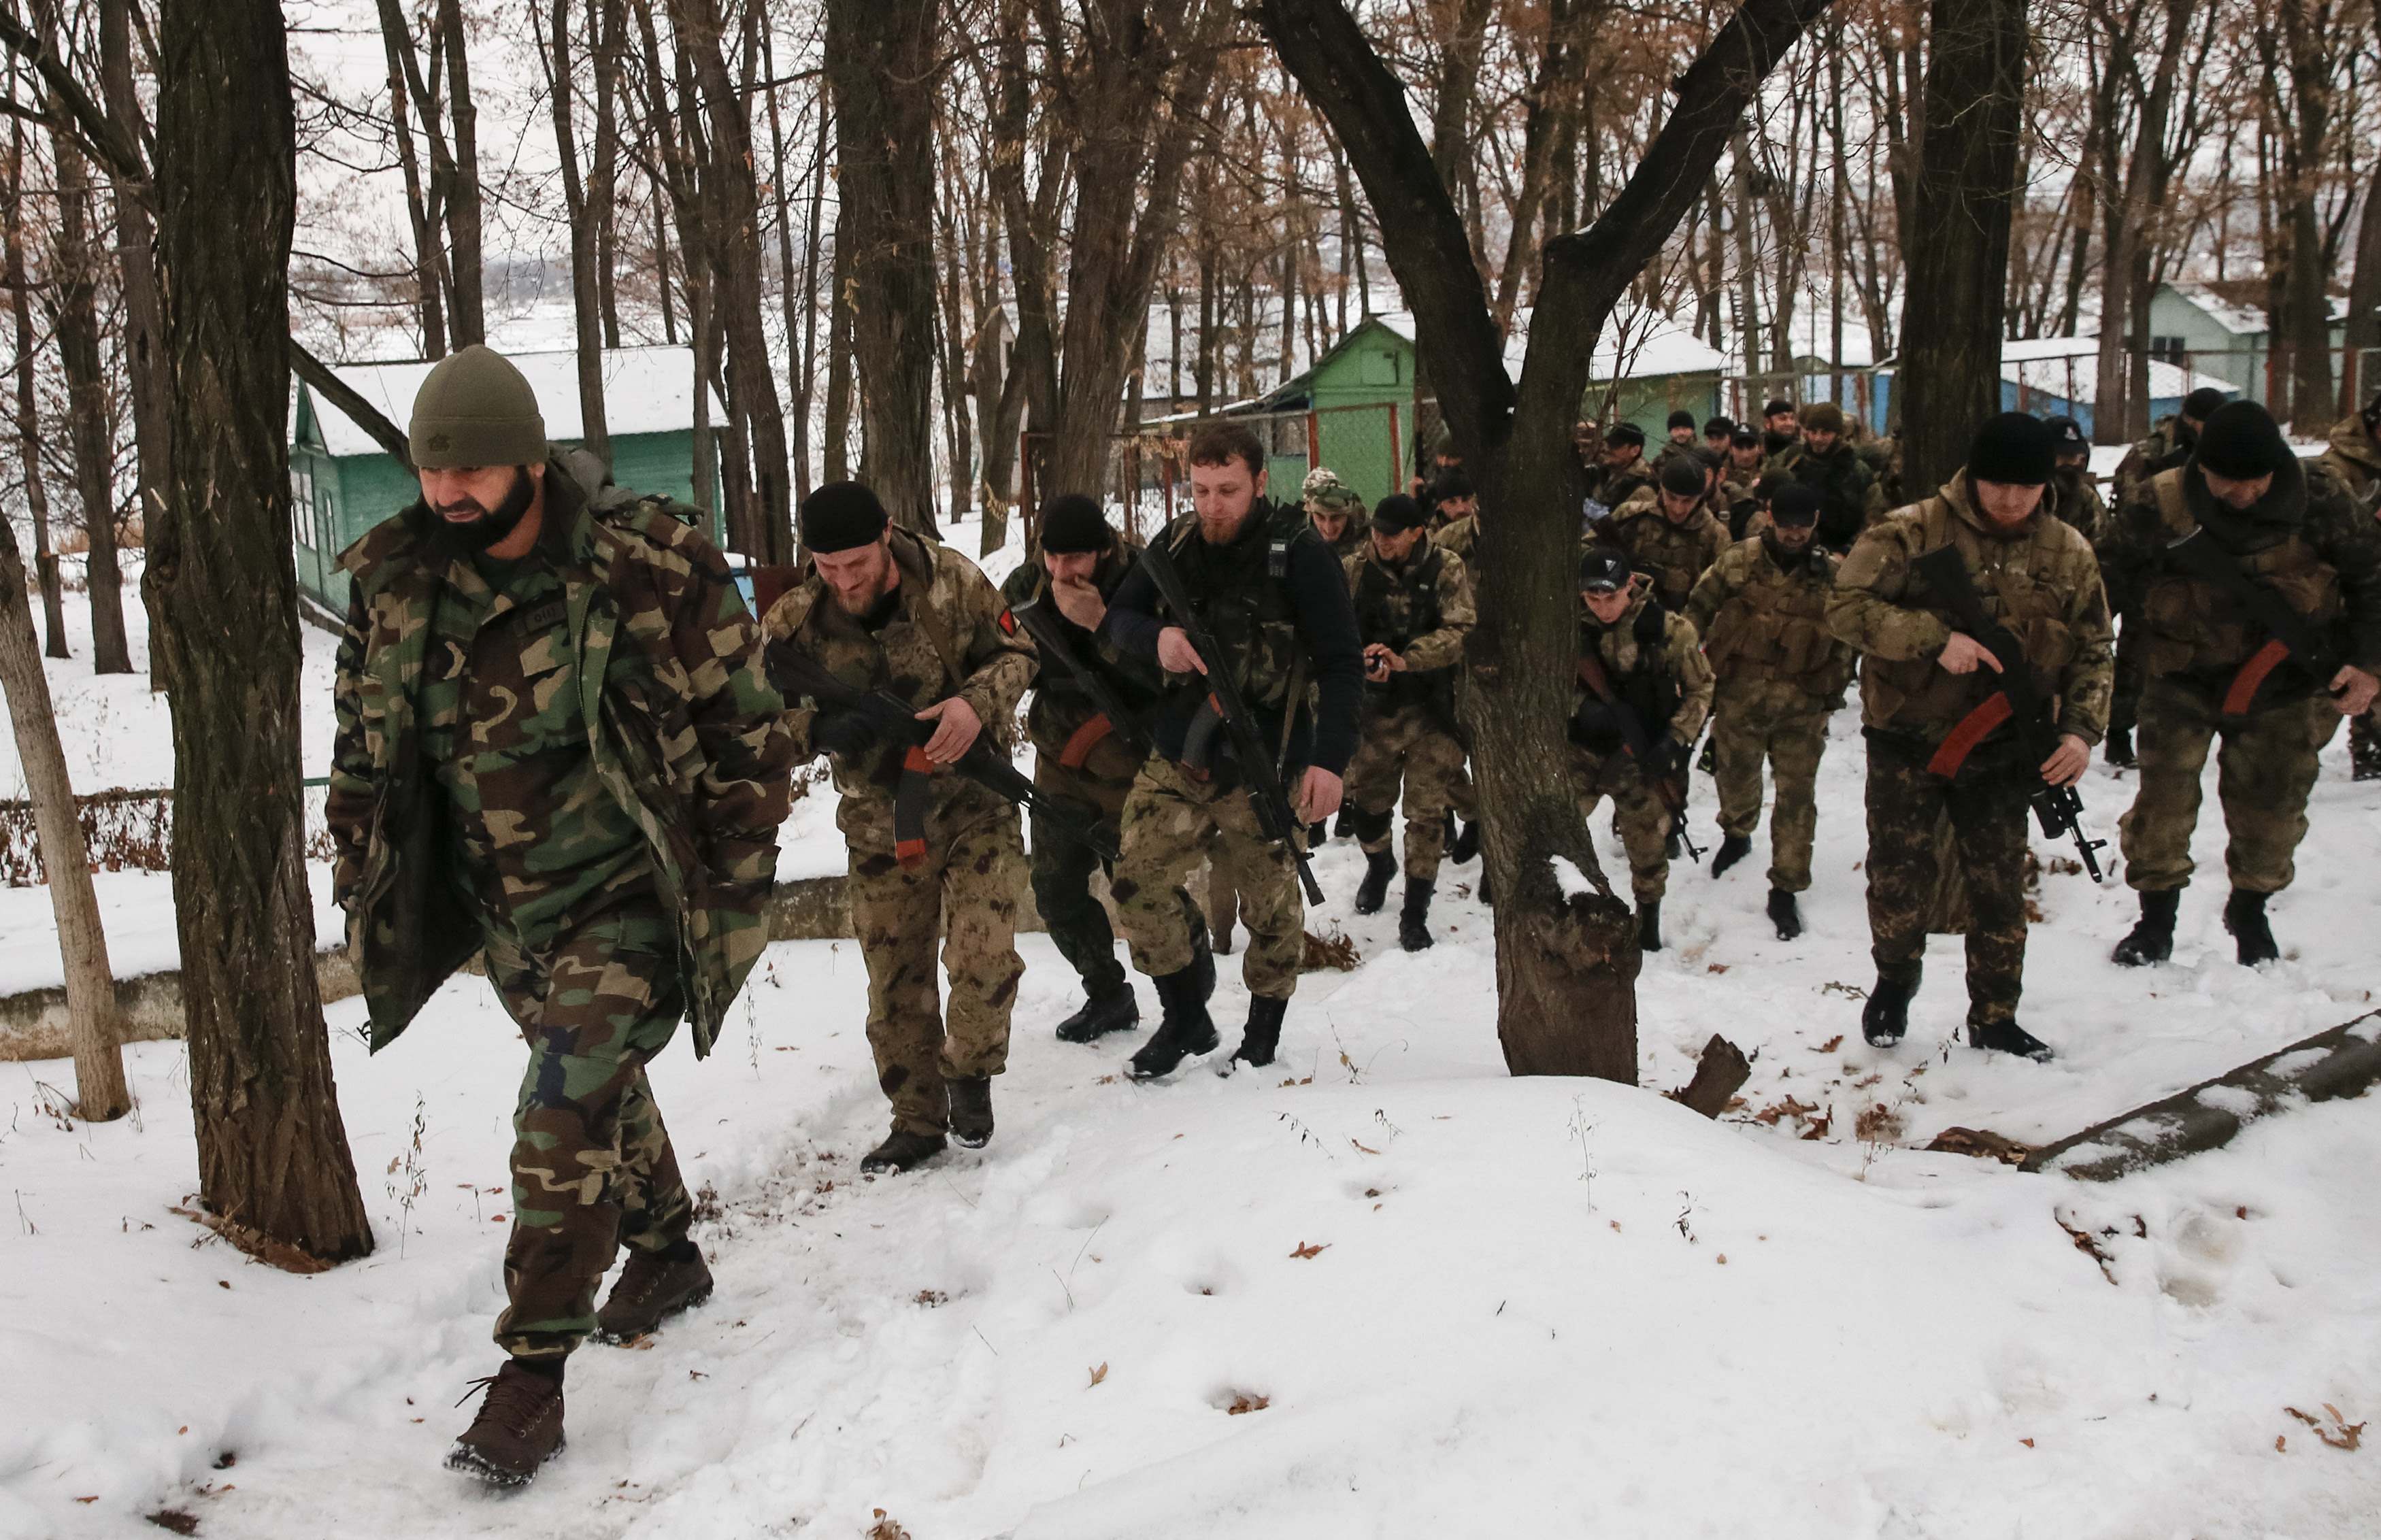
[[1413, 748], [967, 885], [2265, 768], [1172, 822], [592, 1162], [1639, 815], [1078, 922], [1792, 738], [2132, 642], [1986, 804]]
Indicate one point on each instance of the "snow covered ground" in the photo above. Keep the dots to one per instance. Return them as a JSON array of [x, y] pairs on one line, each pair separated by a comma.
[[1448, 1302]]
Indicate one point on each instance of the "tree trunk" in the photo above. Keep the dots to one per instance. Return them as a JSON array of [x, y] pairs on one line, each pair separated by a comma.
[[273, 1152], [1566, 966], [1958, 258], [470, 307], [420, 204], [29, 417], [607, 26], [586, 301], [91, 423], [137, 260], [100, 1093], [837, 426], [805, 381], [792, 299]]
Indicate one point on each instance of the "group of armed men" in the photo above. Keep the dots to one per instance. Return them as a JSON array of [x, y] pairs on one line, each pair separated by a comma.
[[565, 743]]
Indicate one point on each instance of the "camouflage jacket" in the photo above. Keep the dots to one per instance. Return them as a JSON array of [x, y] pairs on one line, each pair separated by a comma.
[[653, 658], [1458, 538], [2169, 445], [2306, 541], [2075, 499], [1061, 707], [2041, 583], [2354, 459], [1654, 666], [1611, 488], [1764, 622], [945, 638], [1842, 481], [1673, 554], [1421, 609]]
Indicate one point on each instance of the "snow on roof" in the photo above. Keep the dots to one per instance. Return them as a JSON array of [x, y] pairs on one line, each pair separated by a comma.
[[1645, 345], [2069, 369], [646, 390], [2241, 319]]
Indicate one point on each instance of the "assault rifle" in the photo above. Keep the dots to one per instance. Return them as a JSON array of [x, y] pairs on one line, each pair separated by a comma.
[[1671, 786], [2286, 632], [895, 723], [2057, 807], [1111, 717], [1275, 818]]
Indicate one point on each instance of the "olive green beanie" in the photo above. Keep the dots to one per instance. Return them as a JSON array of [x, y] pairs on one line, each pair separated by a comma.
[[475, 408]]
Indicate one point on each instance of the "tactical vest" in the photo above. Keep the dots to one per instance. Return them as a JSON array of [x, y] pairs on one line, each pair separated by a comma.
[[1394, 607], [2195, 627], [1672, 555], [1242, 592], [1640, 678], [2012, 579], [1775, 627]]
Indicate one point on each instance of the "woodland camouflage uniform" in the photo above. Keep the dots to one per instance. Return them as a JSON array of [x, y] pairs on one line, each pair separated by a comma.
[[2041, 583], [938, 636], [575, 762], [1762, 612], [1422, 609], [2308, 543], [1654, 665]]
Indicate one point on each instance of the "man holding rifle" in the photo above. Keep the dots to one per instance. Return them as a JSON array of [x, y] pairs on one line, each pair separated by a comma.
[[2260, 584], [881, 611], [1241, 765], [1089, 725], [1977, 616]]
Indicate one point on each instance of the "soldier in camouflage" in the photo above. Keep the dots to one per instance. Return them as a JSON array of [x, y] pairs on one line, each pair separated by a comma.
[[2354, 459], [1619, 471], [1337, 510], [1824, 461], [1761, 614], [1083, 763], [884, 608], [1671, 532], [1646, 660], [1926, 686], [2074, 491], [555, 745], [1413, 610], [1274, 599], [2218, 675]]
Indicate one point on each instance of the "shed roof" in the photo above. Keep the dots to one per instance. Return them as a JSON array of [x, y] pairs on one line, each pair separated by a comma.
[[646, 390], [2041, 364]]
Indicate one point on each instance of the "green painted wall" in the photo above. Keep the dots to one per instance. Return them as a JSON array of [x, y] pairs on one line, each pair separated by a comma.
[[1372, 369]]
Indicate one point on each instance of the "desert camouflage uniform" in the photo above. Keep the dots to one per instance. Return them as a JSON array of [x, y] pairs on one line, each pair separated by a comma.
[[1460, 538], [575, 762], [942, 637], [1421, 609], [1654, 665], [1762, 612], [2040, 583], [2308, 544], [2075, 498], [1671, 552], [2354, 459]]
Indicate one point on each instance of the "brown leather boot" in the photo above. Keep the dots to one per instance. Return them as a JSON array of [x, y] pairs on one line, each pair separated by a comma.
[[519, 1427], [653, 1287]]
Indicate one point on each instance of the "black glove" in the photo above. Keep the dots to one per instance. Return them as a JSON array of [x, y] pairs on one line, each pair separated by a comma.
[[845, 734], [1663, 757]]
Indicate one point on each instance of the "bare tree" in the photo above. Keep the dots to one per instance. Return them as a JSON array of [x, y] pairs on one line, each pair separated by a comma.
[[28, 418], [581, 201]]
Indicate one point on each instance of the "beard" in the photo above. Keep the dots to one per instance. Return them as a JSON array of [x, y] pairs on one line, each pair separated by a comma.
[[490, 525], [866, 599]]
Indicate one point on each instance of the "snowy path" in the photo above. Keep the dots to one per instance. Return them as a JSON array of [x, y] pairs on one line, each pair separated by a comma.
[[1488, 1342]]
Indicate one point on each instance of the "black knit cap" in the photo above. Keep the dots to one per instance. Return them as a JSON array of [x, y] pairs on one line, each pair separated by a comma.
[[1746, 436], [1683, 475], [1682, 420], [1625, 432], [2202, 403], [1073, 525], [1452, 485], [1718, 427], [1795, 503], [2015, 447], [2069, 435], [2243, 442], [1397, 513], [1776, 404], [841, 516], [1603, 570]]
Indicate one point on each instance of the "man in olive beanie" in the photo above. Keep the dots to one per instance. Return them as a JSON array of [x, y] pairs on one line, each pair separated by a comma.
[[1824, 461], [613, 866], [2273, 534]]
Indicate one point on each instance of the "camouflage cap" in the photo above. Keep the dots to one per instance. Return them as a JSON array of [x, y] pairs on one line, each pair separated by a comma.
[[476, 410], [1327, 491]]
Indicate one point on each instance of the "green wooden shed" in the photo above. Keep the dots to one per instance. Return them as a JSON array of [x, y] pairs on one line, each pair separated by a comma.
[[1649, 367], [342, 482], [1353, 412]]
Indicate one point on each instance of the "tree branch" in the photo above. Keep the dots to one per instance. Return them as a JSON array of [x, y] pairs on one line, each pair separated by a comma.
[[330, 388]]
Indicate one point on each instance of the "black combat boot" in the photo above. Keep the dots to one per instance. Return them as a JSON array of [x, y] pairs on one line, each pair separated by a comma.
[[1317, 833], [2244, 916], [1466, 844], [901, 1151], [1187, 1027], [1733, 847], [2003, 1036], [1373, 891], [1101, 1015], [970, 1110], [1785, 914], [1344, 825], [1262, 1038], [2117, 749], [1203, 958], [1886, 1014], [1413, 920], [1649, 925], [2152, 937], [653, 1287], [519, 1427]]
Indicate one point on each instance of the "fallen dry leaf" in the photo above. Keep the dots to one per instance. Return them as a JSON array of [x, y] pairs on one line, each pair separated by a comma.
[[1243, 1403], [1830, 1045], [1098, 1374], [885, 1529], [1361, 1145], [1306, 1253], [2027, 1442]]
